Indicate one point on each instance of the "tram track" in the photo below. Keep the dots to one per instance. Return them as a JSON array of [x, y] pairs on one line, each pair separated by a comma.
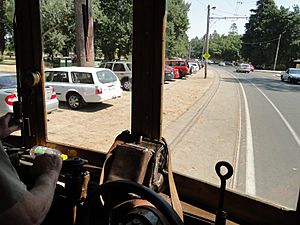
[[186, 121]]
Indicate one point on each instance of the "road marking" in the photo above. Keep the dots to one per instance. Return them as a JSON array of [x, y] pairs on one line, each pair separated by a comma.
[[250, 165], [287, 124]]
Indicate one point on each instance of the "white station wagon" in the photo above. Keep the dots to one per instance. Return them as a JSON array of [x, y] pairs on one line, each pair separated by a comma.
[[80, 85]]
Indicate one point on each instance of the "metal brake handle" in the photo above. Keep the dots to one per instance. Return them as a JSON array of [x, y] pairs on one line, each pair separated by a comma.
[[229, 168]]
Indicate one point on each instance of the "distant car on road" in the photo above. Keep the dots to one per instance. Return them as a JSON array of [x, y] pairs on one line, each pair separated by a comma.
[[252, 68], [8, 94], [80, 85], [243, 68], [222, 64], [291, 75]]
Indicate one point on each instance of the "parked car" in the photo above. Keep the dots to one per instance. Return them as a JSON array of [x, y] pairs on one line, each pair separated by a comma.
[[222, 64], [169, 73], [244, 68], [123, 70], [180, 64], [252, 68], [194, 67], [176, 73], [8, 94], [80, 85], [291, 75]]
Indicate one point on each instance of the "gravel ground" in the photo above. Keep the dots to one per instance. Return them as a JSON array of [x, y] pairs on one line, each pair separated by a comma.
[[96, 125]]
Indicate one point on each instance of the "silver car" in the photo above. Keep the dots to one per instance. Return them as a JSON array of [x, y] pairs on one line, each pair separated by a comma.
[[80, 85], [291, 75], [123, 70], [8, 94]]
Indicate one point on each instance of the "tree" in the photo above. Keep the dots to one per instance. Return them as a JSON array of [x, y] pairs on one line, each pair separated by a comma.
[[233, 29], [262, 32], [177, 43], [84, 33], [58, 29], [196, 47], [2, 28], [225, 47], [113, 28]]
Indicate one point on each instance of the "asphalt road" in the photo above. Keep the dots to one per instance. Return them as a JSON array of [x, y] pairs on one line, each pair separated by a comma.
[[269, 154]]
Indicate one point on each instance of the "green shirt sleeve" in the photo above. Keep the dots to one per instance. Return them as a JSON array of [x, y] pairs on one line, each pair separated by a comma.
[[11, 187]]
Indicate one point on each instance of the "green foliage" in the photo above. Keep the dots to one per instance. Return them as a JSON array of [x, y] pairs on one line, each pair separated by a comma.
[[112, 26], [113, 31], [176, 28], [58, 26], [225, 47], [262, 32], [196, 46]]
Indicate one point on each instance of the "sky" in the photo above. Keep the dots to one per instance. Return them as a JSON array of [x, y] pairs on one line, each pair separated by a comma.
[[224, 8]]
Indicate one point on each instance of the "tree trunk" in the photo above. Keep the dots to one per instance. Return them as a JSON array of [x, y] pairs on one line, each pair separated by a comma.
[[2, 29], [84, 33]]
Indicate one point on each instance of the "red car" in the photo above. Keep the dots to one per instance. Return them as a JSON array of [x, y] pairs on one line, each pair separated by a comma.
[[180, 64], [175, 71], [251, 68]]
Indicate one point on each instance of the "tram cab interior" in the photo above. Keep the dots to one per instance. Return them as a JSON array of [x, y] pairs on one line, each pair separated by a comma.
[[199, 200]]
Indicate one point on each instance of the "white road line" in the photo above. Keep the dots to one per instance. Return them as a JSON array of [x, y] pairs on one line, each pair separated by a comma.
[[287, 124], [250, 165]]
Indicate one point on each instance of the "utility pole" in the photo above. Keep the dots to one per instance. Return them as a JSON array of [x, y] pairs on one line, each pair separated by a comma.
[[206, 40], [275, 61]]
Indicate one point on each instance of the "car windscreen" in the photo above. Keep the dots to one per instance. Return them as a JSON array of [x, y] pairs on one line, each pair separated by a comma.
[[244, 66], [295, 71], [106, 76], [9, 81]]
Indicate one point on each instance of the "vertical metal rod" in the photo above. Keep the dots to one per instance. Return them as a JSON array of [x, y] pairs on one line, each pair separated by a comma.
[[206, 40], [278, 43]]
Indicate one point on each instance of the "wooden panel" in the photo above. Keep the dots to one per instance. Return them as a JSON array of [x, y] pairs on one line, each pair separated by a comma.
[[147, 77], [29, 60]]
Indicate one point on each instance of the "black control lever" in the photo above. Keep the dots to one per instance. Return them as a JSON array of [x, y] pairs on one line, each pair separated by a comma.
[[221, 214]]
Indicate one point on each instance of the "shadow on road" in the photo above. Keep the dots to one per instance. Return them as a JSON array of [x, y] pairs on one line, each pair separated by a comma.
[[91, 107], [266, 83]]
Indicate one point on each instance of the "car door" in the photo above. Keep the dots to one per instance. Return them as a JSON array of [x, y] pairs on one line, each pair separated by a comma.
[[59, 80], [286, 74], [120, 70], [83, 83]]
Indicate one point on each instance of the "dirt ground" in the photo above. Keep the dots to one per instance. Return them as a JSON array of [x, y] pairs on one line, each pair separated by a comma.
[[96, 125]]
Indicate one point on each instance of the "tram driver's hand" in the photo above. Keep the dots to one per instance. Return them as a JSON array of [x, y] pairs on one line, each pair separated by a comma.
[[45, 164], [7, 125]]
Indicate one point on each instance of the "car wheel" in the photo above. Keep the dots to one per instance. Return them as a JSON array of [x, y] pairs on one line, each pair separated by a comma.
[[127, 85], [289, 80], [281, 77], [74, 101]]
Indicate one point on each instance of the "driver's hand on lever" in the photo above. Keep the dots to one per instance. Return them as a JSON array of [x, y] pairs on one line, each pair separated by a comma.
[[19, 206]]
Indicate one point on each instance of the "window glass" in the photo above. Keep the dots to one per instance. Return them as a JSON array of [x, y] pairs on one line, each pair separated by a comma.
[[106, 76], [109, 66], [81, 77], [59, 76], [223, 106], [119, 67], [129, 65]]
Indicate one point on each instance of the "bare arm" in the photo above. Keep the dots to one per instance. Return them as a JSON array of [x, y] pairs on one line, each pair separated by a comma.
[[33, 207]]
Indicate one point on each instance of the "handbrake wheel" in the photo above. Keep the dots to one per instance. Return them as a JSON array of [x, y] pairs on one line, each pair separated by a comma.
[[109, 191]]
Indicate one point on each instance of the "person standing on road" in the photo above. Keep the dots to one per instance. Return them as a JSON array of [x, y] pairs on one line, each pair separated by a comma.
[[19, 206]]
